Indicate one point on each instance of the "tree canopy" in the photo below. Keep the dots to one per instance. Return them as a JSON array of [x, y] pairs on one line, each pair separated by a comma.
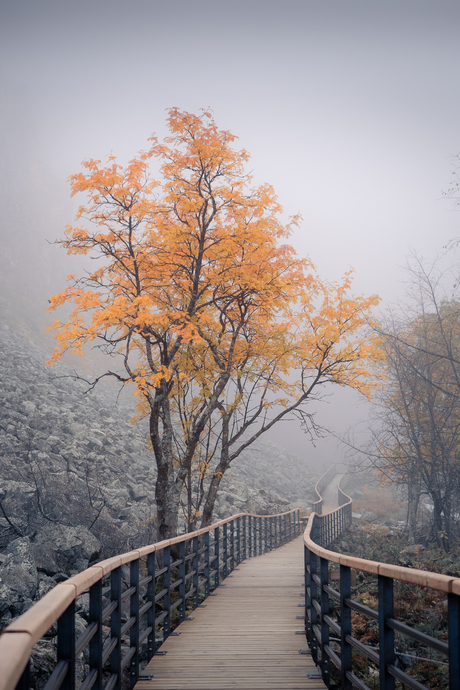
[[220, 326]]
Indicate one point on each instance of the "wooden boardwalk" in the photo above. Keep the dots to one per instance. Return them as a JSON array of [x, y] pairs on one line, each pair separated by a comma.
[[245, 638]]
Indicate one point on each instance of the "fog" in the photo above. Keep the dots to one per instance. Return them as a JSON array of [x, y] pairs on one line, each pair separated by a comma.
[[349, 109]]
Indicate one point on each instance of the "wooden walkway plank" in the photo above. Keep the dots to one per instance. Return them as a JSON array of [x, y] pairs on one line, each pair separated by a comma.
[[245, 638]]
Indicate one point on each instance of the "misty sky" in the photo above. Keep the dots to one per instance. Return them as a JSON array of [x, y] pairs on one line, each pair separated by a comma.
[[350, 108]]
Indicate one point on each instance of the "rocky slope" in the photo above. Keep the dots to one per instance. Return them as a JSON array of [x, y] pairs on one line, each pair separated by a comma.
[[77, 479]]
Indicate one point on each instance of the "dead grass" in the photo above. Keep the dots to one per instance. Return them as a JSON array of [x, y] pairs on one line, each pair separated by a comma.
[[382, 502]]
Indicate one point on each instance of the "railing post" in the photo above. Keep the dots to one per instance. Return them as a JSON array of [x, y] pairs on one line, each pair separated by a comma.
[[167, 595], [195, 578], [324, 575], [313, 613], [206, 565], [238, 539], [307, 585], [244, 552], [182, 584], [66, 644], [216, 557], [345, 626], [134, 630], [151, 646], [115, 625], [386, 634], [224, 552], [454, 641], [250, 541], [95, 645], [232, 544]]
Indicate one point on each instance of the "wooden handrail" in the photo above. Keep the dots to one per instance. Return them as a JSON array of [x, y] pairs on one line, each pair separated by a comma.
[[423, 578], [18, 639], [323, 481]]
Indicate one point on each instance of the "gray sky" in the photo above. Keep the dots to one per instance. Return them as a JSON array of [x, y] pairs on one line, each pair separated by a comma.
[[350, 108]]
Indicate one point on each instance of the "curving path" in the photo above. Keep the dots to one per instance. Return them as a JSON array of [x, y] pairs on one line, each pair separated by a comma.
[[245, 638], [330, 494]]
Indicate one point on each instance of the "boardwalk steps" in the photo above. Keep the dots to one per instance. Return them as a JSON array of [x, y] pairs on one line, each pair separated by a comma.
[[245, 638]]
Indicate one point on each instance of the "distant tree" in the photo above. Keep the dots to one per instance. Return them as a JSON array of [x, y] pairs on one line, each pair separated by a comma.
[[212, 316], [416, 442]]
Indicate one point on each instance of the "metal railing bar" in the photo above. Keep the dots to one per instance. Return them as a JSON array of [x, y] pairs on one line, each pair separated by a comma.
[[143, 609], [160, 571], [128, 592], [160, 594], [189, 575], [189, 557], [190, 593], [317, 631], [145, 581], [145, 634], [109, 649], [333, 624], [356, 682], [107, 610], [85, 637], [317, 606], [425, 639], [363, 648], [176, 563], [333, 656], [57, 677], [316, 579], [176, 604], [404, 678], [127, 658], [111, 682], [332, 592], [176, 583], [365, 610], [160, 618], [89, 680], [126, 626]]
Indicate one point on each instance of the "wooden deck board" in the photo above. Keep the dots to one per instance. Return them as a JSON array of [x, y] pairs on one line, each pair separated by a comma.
[[245, 638]]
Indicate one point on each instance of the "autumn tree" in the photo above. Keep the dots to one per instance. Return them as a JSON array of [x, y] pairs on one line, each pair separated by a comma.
[[416, 442], [206, 307]]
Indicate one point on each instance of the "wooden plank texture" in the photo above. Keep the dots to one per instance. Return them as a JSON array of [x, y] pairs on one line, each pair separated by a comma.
[[245, 638]]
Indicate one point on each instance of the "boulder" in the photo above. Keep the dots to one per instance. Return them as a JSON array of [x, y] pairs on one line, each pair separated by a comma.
[[58, 548]]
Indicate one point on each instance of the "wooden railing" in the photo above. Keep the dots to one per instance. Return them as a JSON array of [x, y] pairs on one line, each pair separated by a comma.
[[135, 600], [323, 481], [345, 649]]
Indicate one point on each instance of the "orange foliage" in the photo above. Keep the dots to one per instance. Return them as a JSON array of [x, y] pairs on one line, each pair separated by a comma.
[[199, 293]]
